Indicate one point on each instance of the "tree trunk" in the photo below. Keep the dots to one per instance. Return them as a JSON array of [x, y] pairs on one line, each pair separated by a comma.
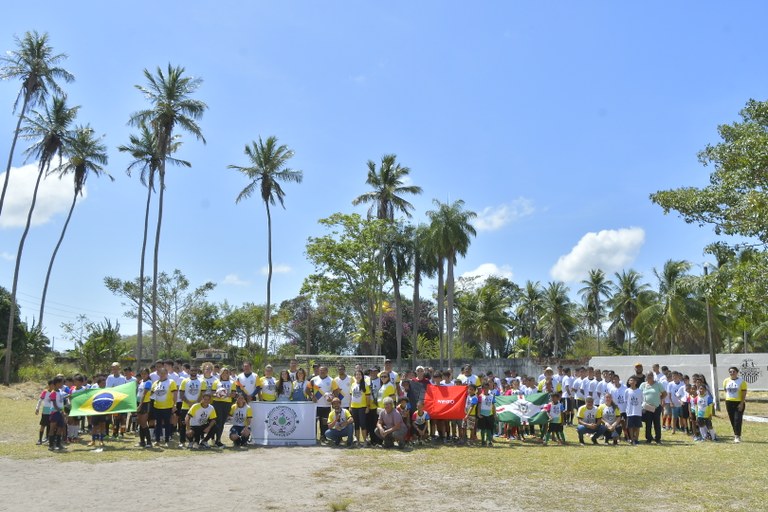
[[11, 317], [13, 148], [441, 310], [269, 280], [416, 313], [398, 321], [50, 264], [140, 321], [156, 259], [449, 312]]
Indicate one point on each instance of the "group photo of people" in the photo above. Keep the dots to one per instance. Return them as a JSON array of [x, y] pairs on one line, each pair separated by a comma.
[[185, 406]]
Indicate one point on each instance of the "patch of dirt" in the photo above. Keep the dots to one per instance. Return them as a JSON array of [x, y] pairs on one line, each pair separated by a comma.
[[22, 391]]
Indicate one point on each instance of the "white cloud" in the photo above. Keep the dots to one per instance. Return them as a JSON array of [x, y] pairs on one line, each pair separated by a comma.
[[493, 218], [610, 250], [487, 270], [7, 256], [276, 269], [53, 197], [234, 280]]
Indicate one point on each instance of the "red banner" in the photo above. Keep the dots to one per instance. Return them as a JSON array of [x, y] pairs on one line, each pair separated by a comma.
[[445, 402]]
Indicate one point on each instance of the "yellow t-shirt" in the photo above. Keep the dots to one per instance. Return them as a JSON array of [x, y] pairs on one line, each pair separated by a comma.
[[268, 387], [163, 390], [200, 416], [345, 415], [360, 399], [222, 391], [386, 390], [734, 389], [241, 416]]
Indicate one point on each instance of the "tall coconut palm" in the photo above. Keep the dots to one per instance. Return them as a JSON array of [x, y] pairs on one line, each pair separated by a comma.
[[558, 315], [423, 265], [596, 288], [386, 199], [398, 258], [49, 130], [677, 317], [142, 147], [85, 155], [529, 309], [171, 106], [483, 315], [625, 302], [35, 64], [452, 229], [267, 169]]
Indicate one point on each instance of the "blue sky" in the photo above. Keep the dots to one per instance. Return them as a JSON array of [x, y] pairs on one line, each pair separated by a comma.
[[553, 121]]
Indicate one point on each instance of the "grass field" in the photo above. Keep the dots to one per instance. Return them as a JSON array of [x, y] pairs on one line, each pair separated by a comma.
[[678, 474]]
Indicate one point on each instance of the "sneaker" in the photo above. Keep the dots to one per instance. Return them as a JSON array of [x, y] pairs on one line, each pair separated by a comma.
[[190, 444], [194, 446], [148, 446], [594, 438], [167, 445], [219, 444], [204, 445], [141, 444], [39, 442], [736, 439], [482, 444]]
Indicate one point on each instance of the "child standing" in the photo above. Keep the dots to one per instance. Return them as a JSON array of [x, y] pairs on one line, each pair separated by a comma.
[[470, 415], [45, 401], [704, 408], [487, 414], [419, 421], [554, 410], [633, 397]]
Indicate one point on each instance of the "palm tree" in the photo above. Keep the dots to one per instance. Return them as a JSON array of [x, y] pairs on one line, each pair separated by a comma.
[[625, 302], [558, 314], [596, 288], [483, 315], [50, 129], [452, 228], [397, 262], [677, 316], [37, 67], [142, 148], [529, 309], [386, 199], [171, 107], [86, 154], [423, 265], [267, 170]]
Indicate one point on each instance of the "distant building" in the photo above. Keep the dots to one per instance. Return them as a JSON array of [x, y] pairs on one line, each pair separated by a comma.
[[211, 354]]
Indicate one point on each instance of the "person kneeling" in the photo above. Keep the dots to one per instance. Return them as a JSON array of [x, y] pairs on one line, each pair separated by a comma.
[[589, 422], [390, 426], [201, 420], [340, 424]]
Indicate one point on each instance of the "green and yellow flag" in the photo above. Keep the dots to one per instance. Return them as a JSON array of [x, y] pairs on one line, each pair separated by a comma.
[[104, 401]]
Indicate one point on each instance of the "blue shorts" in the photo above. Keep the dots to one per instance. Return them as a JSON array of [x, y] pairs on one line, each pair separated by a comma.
[[677, 412]]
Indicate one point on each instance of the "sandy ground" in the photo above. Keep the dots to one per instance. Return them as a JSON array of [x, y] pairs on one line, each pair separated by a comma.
[[311, 479]]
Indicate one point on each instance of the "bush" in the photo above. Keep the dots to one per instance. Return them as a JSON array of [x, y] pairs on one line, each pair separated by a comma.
[[46, 369]]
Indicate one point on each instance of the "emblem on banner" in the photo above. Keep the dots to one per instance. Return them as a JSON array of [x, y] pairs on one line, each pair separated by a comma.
[[282, 421], [749, 371]]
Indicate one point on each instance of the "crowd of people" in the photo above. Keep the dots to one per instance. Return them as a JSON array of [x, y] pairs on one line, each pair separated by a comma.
[[189, 406]]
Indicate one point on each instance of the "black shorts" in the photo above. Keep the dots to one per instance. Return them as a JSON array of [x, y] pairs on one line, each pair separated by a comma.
[[323, 412], [485, 422], [358, 415], [567, 404], [685, 412], [634, 421], [98, 420], [143, 408], [57, 418], [45, 420], [555, 427]]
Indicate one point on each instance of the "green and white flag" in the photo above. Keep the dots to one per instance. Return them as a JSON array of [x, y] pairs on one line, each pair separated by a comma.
[[522, 409]]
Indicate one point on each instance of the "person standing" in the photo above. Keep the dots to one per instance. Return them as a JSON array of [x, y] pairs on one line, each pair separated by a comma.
[[118, 420], [164, 391], [653, 398], [735, 399]]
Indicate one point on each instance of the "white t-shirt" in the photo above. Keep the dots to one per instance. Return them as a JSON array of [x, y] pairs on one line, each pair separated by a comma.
[[567, 384], [113, 381], [672, 393], [589, 386], [619, 395], [577, 386], [600, 389], [345, 386], [634, 401], [247, 383], [468, 379], [201, 415], [325, 387]]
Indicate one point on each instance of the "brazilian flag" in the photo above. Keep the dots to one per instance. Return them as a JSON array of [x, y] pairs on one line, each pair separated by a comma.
[[104, 401]]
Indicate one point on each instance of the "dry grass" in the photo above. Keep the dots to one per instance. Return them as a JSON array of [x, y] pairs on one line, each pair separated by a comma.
[[680, 473]]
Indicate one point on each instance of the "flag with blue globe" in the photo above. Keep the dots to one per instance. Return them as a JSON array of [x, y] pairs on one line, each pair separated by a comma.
[[114, 400]]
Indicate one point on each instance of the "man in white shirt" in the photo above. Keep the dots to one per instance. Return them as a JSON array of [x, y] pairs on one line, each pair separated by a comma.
[[344, 383], [246, 382], [118, 420]]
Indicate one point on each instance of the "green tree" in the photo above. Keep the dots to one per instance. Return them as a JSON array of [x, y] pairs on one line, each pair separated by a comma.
[[557, 315], [267, 169], [596, 289], [424, 264], [49, 129], [97, 345], [20, 330], [175, 304], [626, 303], [452, 229], [85, 155], [143, 149], [348, 270], [483, 317], [529, 310], [34, 63], [171, 106], [397, 262]]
